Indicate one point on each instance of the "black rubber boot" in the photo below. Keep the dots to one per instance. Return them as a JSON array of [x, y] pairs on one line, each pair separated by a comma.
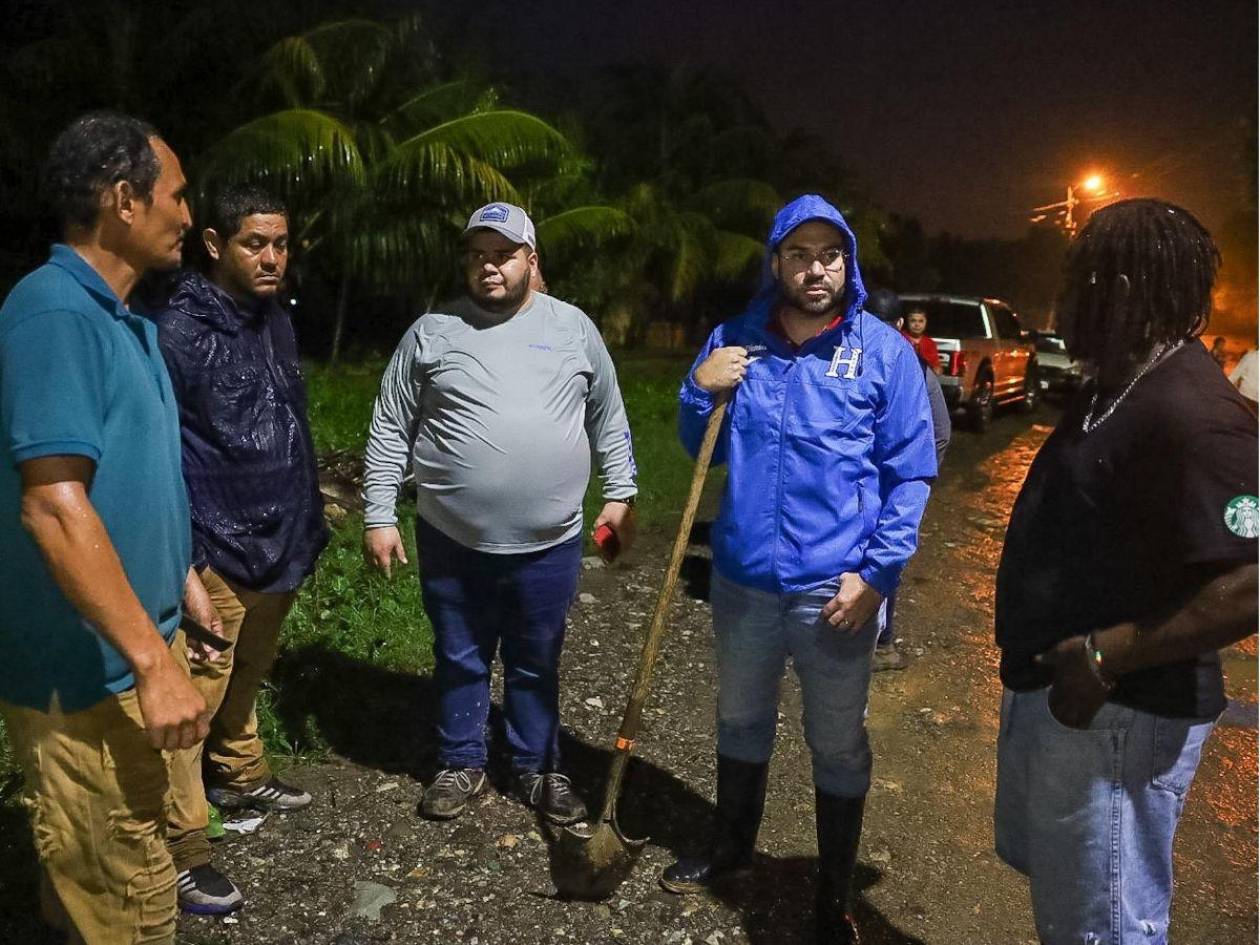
[[839, 822], [741, 797]]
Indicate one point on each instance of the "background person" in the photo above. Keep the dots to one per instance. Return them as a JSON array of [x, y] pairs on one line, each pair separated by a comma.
[[915, 331], [1130, 559], [498, 401], [257, 514], [886, 305], [1218, 352], [1244, 377], [828, 444], [94, 686]]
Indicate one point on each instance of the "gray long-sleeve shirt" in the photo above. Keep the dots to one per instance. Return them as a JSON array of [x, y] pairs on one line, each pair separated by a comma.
[[499, 418]]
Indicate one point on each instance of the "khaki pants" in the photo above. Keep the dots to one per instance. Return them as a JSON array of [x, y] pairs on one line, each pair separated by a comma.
[[96, 792], [233, 752]]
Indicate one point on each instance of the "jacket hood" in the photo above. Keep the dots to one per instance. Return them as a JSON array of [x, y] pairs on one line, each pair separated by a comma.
[[197, 297], [802, 210]]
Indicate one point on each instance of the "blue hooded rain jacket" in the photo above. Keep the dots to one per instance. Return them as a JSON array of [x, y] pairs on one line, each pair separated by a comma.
[[829, 448]]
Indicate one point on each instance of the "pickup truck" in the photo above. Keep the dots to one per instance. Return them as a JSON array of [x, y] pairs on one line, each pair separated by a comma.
[[986, 358]]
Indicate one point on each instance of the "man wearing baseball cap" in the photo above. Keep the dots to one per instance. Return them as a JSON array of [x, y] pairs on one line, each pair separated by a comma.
[[498, 400]]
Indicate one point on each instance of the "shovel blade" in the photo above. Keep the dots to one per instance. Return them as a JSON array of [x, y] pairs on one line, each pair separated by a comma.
[[592, 864]]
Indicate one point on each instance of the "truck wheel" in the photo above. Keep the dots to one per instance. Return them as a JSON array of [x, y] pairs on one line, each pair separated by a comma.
[[980, 407]]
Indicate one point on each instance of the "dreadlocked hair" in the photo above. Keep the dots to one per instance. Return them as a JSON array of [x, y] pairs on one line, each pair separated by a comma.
[[1140, 274]]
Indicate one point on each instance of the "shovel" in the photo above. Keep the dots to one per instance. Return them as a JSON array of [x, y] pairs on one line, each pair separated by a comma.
[[591, 863]]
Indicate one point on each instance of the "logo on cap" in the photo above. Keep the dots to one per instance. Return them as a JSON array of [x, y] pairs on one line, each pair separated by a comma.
[[495, 213]]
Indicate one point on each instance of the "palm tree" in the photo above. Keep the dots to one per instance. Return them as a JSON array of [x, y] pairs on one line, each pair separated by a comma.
[[380, 159], [682, 158]]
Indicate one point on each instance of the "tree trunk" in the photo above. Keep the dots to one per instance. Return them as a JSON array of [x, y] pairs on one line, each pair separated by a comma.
[[339, 326]]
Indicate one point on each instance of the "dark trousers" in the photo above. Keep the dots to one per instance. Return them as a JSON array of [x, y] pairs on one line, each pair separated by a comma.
[[516, 604]]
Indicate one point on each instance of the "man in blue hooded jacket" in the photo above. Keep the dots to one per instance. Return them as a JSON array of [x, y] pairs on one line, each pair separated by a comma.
[[828, 441]]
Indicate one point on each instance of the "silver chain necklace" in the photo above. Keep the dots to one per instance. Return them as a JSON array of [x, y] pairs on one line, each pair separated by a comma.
[[1089, 424]]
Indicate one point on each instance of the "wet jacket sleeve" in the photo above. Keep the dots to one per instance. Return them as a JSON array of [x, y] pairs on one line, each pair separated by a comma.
[[395, 417], [182, 370], [904, 454], [695, 404], [942, 426], [606, 425]]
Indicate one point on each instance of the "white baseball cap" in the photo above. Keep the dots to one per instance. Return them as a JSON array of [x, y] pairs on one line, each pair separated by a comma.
[[505, 218]]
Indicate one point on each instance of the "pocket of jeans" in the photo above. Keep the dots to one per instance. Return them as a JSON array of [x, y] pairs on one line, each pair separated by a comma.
[[1175, 750], [1111, 717]]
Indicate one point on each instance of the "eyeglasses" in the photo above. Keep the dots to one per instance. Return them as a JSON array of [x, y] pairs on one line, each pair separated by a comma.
[[831, 259]]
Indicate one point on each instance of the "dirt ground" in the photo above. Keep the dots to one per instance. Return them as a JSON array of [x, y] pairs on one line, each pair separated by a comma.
[[928, 874]]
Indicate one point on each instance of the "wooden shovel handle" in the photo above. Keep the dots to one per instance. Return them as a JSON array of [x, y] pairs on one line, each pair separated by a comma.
[[656, 632]]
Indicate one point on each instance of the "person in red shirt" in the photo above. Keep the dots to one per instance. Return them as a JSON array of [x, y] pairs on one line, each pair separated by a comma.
[[916, 333]]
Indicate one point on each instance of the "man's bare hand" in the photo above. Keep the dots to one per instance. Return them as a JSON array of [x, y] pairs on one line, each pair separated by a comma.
[[174, 713], [1076, 692], [854, 604], [723, 369], [199, 607], [620, 518], [381, 546]]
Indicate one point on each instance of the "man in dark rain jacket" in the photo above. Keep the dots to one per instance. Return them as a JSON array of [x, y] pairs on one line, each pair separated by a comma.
[[828, 442], [257, 514]]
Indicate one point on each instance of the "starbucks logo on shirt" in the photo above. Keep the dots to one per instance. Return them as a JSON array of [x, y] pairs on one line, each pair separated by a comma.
[[1242, 516]]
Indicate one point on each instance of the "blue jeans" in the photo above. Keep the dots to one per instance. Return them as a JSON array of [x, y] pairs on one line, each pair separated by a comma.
[[755, 632], [516, 604], [1089, 816]]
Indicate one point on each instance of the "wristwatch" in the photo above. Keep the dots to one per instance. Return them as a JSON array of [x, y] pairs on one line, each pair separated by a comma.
[[629, 500]]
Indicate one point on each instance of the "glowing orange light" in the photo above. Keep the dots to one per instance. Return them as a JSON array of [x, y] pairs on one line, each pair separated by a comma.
[[1093, 183]]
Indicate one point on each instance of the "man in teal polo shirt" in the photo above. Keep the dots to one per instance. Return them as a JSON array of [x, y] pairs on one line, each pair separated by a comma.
[[94, 525]]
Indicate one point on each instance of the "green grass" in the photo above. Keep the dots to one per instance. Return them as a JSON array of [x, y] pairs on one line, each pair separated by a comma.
[[347, 609], [341, 400]]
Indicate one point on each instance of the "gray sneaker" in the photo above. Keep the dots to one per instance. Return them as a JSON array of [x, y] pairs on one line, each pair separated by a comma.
[[451, 791], [886, 658], [274, 795], [551, 794]]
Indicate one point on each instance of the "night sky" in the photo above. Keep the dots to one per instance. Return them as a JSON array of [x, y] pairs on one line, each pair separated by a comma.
[[964, 115]]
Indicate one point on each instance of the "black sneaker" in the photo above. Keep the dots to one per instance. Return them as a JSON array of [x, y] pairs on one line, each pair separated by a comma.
[[203, 890], [451, 791], [551, 794], [274, 795]]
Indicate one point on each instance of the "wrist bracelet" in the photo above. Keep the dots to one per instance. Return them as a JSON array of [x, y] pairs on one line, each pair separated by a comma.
[[1094, 657]]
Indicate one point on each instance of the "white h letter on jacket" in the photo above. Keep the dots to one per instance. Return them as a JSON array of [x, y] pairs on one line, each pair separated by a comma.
[[850, 363]]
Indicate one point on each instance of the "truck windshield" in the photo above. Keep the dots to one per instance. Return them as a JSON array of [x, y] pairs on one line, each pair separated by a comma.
[[949, 319]]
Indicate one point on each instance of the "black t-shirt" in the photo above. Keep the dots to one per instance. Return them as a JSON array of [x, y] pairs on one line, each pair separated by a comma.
[[1118, 524]]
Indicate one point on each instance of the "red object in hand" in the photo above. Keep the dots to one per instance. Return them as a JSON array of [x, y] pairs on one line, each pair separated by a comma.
[[607, 542]]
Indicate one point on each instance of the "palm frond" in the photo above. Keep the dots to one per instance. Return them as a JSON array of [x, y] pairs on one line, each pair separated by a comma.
[[292, 71], [739, 202], [691, 235], [469, 154], [354, 54], [735, 255], [340, 63], [582, 227], [290, 150], [440, 103]]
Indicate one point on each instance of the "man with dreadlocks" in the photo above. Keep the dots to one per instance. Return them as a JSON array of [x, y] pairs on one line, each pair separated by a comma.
[[1129, 561]]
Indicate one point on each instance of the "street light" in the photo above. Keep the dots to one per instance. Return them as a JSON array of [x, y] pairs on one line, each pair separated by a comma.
[[1094, 188]]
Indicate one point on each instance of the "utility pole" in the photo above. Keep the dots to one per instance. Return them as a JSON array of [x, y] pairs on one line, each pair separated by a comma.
[[1066, 208]]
